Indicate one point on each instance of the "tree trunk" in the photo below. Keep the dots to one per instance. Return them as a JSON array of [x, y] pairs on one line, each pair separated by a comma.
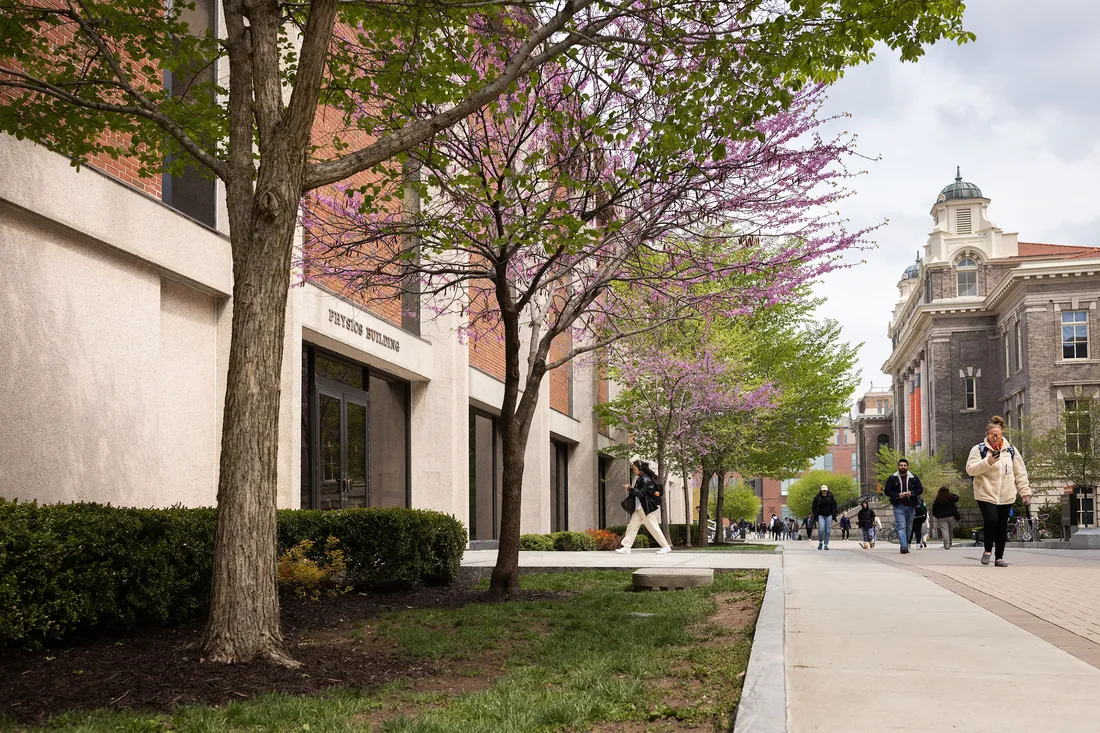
[[244, 605], [687, 501], [662, 478], [704, 499], [515, 427], [720, 510]]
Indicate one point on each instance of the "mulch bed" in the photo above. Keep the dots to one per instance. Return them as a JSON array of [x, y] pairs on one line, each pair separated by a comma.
[[157, 669]]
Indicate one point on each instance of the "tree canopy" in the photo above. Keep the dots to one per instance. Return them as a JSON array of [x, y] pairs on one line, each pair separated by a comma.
[[800, 496]]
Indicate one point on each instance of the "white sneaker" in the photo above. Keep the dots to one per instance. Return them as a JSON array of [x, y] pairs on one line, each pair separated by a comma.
[[623, 550], [664, 550]]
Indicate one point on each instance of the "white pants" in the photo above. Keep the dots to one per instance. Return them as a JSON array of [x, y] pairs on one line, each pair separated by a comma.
[[651, 524]]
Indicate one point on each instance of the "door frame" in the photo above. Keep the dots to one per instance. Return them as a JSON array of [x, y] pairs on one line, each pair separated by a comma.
[[344, 393]]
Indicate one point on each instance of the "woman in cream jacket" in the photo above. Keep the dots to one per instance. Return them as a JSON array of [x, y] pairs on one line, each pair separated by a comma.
[[999, 474]]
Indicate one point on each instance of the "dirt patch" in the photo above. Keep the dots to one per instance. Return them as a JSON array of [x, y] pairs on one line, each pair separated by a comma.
[[157, 669], [683, 692]]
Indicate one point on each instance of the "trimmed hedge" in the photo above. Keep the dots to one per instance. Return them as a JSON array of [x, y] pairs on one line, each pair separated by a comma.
[[74, 568], [573, 542], [536, 543]]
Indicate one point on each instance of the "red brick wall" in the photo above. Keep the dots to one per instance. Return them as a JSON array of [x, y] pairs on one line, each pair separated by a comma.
[[561, 379], [486, 344]]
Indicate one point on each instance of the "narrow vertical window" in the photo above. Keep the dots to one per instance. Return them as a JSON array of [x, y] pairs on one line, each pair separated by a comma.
[[971, 393], [1078, 419], [967, 273], [1019, 347]]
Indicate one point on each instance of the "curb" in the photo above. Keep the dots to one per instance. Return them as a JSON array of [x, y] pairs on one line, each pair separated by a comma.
[[763, 705]]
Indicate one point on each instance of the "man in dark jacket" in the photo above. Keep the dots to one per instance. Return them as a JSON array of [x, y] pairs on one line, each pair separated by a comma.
[[824, 508], [904, 490], [866, 521]]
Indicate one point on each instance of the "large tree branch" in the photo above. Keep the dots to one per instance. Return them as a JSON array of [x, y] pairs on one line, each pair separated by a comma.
[[523, 61]]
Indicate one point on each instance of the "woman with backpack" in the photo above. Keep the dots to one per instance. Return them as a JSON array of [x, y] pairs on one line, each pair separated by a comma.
[[945, 513], [643, 501], [999, 476]]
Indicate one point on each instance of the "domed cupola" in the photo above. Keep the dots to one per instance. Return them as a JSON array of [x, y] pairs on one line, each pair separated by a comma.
[[912, 272], [960, 189]]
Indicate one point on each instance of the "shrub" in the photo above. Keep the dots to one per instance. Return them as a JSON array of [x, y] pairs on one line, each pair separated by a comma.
[[573, 542], [308, 571], [385, 548], [75, 568], [643, 540], [605, 539], [536, 543]]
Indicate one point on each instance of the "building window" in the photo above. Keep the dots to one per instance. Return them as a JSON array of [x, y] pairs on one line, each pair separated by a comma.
[[967, 270], [1019, 347], [559, 486], [927, 288], [1075, 335], [883, 441], [486, 467], [1008, 355], [972, 393], [785, 486], [1078, 426], [855, 464]]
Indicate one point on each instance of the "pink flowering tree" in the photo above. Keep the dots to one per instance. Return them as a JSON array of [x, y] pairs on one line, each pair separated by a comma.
[[673, 378], [547, 218]]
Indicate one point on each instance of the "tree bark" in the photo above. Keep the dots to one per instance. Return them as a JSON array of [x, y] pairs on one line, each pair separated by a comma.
[[720, 510], [515, 428], [687, 502], [662, 478], [704, 500], [263, 211], [244, 605]]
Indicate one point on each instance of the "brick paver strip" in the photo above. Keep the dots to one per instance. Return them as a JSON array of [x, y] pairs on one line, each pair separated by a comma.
[[995, 594]]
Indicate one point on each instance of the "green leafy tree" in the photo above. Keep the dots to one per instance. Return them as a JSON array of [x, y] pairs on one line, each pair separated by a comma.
[[812, 372], [1065, 455], [800, 497], [84, 79], [740, 502], [933, 472]]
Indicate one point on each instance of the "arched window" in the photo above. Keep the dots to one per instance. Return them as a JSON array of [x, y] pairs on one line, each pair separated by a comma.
[[967, 274], [883, 439]]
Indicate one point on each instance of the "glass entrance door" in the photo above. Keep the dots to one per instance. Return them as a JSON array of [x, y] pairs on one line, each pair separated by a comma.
[[343, 439]]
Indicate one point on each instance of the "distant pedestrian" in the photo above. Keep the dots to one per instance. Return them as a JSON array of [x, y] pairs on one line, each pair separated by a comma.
[[792, 528], [824, 508], [919, 518], [945, 513], [903, 490], [845, 527], [778, 530], [645, 496], [808, 524], [866, 520], [999, 475]]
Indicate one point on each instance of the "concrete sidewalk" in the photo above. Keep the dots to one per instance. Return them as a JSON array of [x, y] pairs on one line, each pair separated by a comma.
[[876, 646]]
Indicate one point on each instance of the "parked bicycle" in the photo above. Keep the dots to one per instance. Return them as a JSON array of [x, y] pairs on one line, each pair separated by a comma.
[[1034, 529]]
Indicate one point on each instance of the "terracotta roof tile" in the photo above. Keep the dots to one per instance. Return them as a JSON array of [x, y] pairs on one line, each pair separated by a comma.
[[1039, 249]]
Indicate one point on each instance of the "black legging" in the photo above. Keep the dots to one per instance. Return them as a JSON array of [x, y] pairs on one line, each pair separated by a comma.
[[918, 525], [843, 533], [996, 525]]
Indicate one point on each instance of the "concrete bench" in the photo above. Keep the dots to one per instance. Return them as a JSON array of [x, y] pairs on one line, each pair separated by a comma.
[[672, 578]]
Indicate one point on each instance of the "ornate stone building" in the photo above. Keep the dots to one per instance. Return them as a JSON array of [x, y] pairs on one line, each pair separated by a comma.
[[987, 324], [873, 428]]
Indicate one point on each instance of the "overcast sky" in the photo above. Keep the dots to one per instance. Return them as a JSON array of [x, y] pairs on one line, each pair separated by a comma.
[[1018, 109]]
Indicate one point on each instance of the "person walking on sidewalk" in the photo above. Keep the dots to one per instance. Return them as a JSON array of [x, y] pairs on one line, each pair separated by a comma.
[[919, 517], [866, 520], [999, 475], [779, 530], [945, 513], [645, 497], [808, 524], [904, 490], [845, 527], [824, 508]]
